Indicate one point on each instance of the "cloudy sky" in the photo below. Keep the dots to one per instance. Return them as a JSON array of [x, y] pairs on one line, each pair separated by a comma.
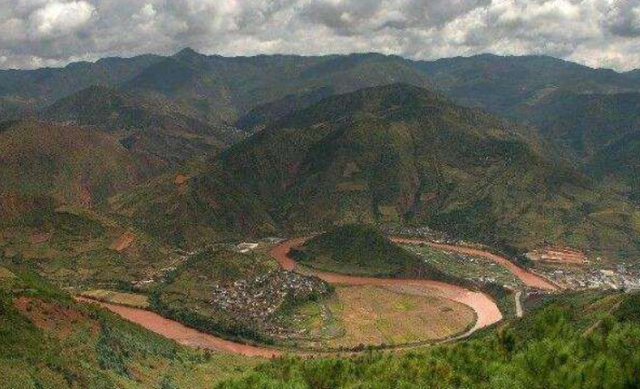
[[599, 33]]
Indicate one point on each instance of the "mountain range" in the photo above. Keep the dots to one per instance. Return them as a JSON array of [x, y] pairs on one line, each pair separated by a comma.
[[515, 152]]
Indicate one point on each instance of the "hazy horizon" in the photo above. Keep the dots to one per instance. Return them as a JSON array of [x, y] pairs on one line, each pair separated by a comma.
[[316, 55], [595, 33]]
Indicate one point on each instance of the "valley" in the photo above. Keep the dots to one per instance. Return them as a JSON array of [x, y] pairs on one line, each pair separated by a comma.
[[325, 221], [480, 312]]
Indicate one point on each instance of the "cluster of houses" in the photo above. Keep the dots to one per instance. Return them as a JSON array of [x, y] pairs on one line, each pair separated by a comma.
[[622, 278], [422, 232], [261, 300]]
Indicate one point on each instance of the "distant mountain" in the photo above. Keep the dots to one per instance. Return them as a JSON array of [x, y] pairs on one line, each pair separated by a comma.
[[619, 164], [223, 89], [31, 89], [259, 117], [43, 166], [394, 154], [505, 84], [585, 124], [634, 74], [153, 126], [220, 89]]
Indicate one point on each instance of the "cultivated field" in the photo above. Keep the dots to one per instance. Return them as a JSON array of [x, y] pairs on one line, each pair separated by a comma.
[[120, 298], [465, 266], [372, 315]]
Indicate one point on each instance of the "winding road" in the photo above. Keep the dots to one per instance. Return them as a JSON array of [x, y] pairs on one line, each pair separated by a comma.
[[485, 308]]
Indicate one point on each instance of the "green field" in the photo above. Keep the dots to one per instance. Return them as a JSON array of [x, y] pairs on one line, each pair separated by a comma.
[[377, 316], [371, 316], [464, 266]]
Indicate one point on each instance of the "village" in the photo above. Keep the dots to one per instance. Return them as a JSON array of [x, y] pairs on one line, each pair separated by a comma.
[[566, 267], [624, 277]]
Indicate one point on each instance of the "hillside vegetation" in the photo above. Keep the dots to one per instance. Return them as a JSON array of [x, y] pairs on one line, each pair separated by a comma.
[[361, 250], [619, 165], [585, 124], [49, 341], [43, 166], [402, 154], [580, 341], [80, 249], [151, 126]]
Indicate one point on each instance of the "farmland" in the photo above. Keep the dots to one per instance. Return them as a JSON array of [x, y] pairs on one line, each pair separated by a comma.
[[120, 298], [372, 315], [465, 266]]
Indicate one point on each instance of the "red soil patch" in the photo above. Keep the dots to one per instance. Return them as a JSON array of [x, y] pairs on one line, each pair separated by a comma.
[[53, 318], [183, 334], [558, 255], [40, 238], [85, 198], [180, 180], [123, 242]]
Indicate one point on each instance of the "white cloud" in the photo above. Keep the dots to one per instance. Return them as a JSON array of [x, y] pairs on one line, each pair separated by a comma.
[[595, 32], [57, 18]]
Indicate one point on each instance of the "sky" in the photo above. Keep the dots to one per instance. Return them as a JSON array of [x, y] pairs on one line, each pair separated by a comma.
[[597, 33]]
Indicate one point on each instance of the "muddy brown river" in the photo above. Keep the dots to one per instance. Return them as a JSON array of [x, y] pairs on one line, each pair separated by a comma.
[[485, 308]]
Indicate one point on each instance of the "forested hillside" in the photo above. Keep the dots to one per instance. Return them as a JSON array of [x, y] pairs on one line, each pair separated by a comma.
[[400, 154], [579, 341]]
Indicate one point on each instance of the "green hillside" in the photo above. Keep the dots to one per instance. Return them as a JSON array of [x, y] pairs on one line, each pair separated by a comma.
[[47, 165], [151, 125], [576, 342], [618, 164], [402, 154], [361, 250], [49, 341], [79, 249], [203, 208], [584, 124]]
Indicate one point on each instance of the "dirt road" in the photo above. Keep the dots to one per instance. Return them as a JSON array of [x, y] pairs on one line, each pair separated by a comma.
[[527, 277], [519, 311]]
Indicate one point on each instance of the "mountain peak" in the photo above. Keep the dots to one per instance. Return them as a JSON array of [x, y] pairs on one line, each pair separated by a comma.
[[187, 52]]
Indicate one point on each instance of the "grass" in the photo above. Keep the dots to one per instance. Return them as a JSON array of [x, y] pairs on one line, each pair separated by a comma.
[[120, 298]]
